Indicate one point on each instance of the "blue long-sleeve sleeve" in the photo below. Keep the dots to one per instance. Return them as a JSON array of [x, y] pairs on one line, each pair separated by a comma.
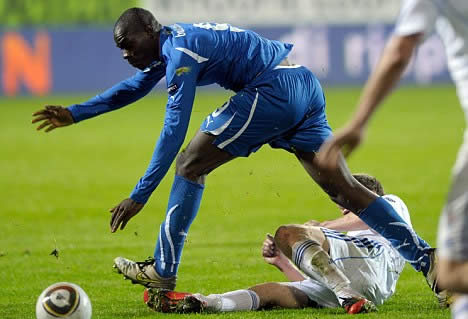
[[121, 94], [181, 79]]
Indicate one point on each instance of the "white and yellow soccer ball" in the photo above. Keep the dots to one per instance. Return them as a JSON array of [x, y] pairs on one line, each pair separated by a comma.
[[63, 300]]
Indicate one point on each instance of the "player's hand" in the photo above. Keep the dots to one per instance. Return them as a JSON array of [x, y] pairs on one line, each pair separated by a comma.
[[344, 141], [123, 212], [271, 253], [51, 117]]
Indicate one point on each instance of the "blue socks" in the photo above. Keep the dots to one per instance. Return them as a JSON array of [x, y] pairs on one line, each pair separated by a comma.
[[184, 202], [381, 217]]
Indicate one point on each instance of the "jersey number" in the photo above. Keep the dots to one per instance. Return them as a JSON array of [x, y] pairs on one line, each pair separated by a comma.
[[217, 26]]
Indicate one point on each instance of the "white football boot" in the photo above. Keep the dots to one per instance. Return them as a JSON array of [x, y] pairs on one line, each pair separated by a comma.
[[143, 273]]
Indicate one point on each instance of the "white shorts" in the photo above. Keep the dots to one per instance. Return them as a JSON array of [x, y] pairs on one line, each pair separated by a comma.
[[317, 292], [372, 267], [453, 236]]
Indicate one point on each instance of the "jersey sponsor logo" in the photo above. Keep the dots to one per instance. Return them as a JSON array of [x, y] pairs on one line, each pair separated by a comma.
[[182, 70], [172, 88], [217, 27]]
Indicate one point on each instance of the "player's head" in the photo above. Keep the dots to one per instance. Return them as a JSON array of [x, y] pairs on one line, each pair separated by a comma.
[[368, 181], [136, 33]]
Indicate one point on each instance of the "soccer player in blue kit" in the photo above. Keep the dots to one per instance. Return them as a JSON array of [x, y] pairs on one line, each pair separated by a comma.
[[276, 103]]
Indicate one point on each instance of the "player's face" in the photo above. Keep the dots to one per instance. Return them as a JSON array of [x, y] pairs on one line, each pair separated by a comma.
[[139, 49]]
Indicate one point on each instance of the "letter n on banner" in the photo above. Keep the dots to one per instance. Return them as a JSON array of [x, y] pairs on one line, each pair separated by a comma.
[[25, 64]]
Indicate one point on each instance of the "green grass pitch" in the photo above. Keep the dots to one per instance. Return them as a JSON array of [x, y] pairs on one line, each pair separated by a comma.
[[57, 188]]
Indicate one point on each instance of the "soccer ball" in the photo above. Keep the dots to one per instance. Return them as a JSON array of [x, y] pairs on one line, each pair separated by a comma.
[[63, 300]]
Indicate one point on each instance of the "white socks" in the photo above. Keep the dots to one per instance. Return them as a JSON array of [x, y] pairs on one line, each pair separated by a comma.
[[237, 300], [460, 307], [309, 256]]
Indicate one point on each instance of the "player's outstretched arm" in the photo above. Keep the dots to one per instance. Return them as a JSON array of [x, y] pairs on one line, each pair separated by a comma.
[[386, 75], [273, 256], [176, 121], [51, 117], [120, 95]]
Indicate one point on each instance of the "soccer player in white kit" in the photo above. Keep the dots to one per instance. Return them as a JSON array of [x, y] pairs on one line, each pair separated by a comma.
[[418, 19], [338, 268]]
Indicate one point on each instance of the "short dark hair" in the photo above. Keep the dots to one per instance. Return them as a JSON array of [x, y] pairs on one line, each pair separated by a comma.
[[370, 182], [134, 20]]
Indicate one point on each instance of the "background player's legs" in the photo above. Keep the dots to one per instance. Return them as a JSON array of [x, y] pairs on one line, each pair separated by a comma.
[[192, 164], [453, 275], [308, 248], [453, 225], [376, 212], [460, 307]]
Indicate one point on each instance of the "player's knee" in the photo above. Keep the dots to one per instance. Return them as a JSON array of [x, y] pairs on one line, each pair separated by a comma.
[[186, 166], [283, 234], [286, 236], [283, 238]]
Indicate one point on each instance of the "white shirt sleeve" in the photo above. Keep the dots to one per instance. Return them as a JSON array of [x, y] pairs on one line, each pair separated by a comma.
[[416, 16]]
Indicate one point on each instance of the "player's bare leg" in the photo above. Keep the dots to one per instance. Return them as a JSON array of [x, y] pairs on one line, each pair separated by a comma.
[[339, 184], [200, 158], [192, 165], [262, 296], [276, 294], [347, 192], [453, 224], [308, 248], [459, 307]]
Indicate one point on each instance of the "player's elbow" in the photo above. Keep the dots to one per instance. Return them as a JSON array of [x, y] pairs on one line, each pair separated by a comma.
[[400, 50]]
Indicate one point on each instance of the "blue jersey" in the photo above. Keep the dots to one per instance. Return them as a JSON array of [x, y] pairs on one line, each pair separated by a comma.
[[191, 55]]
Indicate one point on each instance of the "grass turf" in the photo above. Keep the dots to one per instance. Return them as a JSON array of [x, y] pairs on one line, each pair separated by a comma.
[[56, 191]]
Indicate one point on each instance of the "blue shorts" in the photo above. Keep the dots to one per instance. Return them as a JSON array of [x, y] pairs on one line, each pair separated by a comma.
[[284, 107]]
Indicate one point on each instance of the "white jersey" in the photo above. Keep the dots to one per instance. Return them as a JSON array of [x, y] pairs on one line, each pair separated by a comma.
[[399, 206], [449, 18], [367, 259], [387, 280]]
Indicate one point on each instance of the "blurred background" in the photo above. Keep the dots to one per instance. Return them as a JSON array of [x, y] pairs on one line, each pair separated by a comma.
[[61, 47]]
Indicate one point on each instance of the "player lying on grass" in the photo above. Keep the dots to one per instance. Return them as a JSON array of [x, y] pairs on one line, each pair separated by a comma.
[[276, 103], [354, 271]]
